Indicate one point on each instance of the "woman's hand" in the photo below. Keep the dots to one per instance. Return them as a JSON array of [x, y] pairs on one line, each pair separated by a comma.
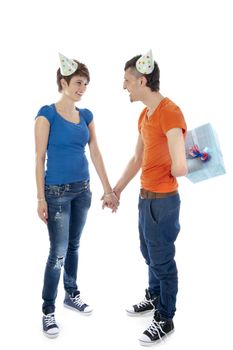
[[111, 201], [42, 210]]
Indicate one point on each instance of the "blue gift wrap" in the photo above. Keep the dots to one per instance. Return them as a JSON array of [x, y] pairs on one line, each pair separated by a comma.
[[203, 153]]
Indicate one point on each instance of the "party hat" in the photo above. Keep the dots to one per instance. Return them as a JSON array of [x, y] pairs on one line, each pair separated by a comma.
[[145, 63], [67, 66]]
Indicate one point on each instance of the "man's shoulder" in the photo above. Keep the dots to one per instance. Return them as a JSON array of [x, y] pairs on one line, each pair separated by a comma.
[[142, 114], [141, 118], [170, 107]]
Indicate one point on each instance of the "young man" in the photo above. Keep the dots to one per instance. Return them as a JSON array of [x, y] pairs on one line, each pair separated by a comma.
[[160, 153]]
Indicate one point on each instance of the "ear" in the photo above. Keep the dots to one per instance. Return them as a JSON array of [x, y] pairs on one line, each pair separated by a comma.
[[143, 81], [63, 83]]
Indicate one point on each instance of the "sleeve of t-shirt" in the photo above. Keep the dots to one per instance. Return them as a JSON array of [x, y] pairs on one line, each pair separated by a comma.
[[88, 116], [47, 112], [140, 120], [172, 119]]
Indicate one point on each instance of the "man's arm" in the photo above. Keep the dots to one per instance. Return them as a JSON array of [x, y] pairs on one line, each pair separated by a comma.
[[176, 148], [132, 168]]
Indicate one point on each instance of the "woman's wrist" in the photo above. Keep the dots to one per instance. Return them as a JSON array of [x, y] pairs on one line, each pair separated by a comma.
[[106, 194], [42, 199]]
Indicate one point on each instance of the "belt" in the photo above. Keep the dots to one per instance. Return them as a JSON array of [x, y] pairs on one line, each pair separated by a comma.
[[144, 194]]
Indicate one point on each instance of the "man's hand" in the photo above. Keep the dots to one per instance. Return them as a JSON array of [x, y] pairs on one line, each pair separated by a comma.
[[111, 201]]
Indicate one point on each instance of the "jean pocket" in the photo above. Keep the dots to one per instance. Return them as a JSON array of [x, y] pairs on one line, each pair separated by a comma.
[[154, 212], [162, 210]]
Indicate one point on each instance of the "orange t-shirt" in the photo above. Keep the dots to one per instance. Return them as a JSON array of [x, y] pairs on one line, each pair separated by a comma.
[[156, 166]]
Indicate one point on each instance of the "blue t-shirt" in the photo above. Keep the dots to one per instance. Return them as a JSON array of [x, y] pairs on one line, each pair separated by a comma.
[[66, 160]]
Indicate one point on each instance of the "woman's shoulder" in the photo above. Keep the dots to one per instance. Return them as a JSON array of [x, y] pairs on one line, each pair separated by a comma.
[[85, 111], [87, 115], [46, 111]]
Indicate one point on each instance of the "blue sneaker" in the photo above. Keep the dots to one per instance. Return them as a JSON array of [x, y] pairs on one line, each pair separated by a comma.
[[74, 302], [50, 327]]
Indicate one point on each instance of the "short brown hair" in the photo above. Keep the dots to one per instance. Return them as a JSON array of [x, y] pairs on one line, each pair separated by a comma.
[[82, 71], [152, 79]]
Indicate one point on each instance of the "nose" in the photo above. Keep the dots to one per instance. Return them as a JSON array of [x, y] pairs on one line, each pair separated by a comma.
[[124, 85], [83, 88]]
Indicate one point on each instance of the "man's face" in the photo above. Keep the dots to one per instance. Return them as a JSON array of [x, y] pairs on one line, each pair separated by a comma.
[[132, 84]]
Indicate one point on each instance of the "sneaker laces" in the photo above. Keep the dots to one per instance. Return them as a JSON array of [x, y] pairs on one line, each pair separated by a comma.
[[155, 328], [144, 303], [49, 320], [78, 301]]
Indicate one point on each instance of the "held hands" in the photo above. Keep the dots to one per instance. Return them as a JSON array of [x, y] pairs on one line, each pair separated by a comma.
[[110, 200]]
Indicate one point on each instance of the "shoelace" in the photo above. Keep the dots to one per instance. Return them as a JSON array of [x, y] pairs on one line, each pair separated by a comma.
[[49, 320], [155, 328], [78, 301], [144, 303]]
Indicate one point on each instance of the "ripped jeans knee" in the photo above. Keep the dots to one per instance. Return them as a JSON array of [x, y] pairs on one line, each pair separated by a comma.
[[55, 262]]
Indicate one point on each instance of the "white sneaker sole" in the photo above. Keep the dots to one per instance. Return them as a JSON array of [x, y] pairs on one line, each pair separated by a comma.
[[51, 336], [80, 312], [163, 339]]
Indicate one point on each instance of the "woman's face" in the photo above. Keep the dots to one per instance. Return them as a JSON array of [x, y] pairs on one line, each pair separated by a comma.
[[76, 87]]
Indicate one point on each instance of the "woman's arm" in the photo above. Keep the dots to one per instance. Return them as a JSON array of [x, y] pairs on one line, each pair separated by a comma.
[[42, 127], [96, 157]]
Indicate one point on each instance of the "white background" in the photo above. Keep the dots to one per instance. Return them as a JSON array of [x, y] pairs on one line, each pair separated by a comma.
[[191, 41]]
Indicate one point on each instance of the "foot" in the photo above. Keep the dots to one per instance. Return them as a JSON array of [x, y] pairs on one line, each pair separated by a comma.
[[158, 328], [50, 327], [145, 306], [74, 302]]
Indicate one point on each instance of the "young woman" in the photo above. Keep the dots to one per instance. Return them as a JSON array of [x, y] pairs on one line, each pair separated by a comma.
[[61, 132]]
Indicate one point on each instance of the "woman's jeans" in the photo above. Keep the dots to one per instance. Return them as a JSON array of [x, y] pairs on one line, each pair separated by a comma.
[[67, 212], [158, 229]]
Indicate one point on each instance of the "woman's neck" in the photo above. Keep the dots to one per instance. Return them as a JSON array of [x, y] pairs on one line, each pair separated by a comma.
[[65, 105]]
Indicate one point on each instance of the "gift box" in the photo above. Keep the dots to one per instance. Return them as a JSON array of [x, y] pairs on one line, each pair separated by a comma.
[[203, 153]]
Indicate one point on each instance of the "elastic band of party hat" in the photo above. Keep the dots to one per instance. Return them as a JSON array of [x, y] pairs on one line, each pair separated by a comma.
[[145, 63], [67, 66]]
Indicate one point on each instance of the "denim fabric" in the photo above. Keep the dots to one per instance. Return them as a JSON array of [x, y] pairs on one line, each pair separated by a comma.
[[67, 212], [158, 230]]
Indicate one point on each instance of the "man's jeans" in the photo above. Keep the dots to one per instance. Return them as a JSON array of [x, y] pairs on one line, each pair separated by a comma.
[[67, 212], [158, 229]]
